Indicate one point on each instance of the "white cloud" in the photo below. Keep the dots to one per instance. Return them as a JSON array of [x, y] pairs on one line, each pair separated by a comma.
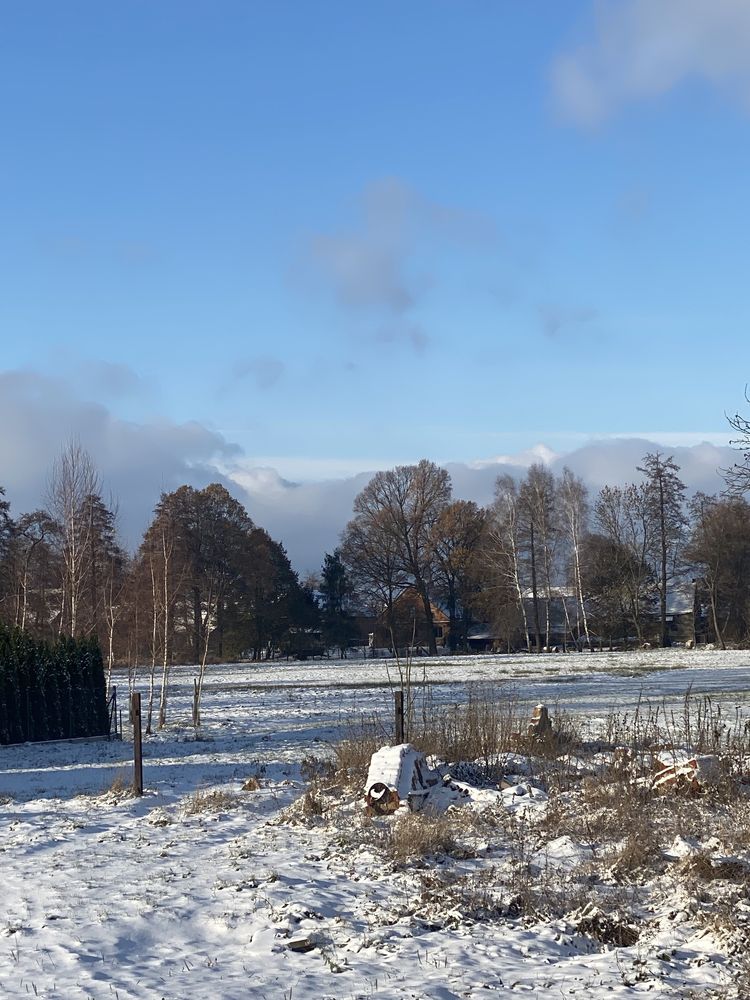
[[375, 268], [537, 453], [675, 439], [614, 461], [310, 516], [642, 49], [40, 414], [265, 371], [554, 318]]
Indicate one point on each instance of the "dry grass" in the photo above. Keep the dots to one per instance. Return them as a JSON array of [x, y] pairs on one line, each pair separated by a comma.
[[318, 769], [353, 756], [702, 866], [421, 835], [312, 804], [641, 850], [611, 807], [607, 928], [706, 727], [120, 787], [447, 901], [487, 724], [252, 784], [216, 800]]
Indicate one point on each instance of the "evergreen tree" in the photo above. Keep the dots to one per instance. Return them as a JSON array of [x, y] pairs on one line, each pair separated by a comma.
[[665, 503], [336, 593]]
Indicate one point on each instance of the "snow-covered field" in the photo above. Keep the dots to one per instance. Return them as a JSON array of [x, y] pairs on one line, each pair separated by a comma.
[[188, 896]]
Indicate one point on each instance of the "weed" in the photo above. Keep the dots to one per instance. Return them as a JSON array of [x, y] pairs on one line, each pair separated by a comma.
[[121, 786], [420, 835], [312, 804], [216, 800]]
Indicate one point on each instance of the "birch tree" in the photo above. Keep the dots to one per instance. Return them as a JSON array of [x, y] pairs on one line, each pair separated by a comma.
[[28, 560], [73, 481], [536, 507], [572, 495], [504, 535]]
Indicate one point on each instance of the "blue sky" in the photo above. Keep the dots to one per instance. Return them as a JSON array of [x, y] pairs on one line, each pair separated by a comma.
[[331, 236]]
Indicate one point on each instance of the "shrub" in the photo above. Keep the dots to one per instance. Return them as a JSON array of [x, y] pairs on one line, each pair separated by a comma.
[[50, 691]]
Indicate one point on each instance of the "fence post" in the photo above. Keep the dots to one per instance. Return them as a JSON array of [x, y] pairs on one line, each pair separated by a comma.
[[398, 704], [113, 712], [137, 744], [196, 706]]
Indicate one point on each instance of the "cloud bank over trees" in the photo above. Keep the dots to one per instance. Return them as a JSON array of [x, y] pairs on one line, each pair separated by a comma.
[[138, 460]]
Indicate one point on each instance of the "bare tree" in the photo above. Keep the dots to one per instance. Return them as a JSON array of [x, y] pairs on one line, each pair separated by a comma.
[[573, 501], [402, 506], [372, 560], [737, 477], [536, 508], [719, 551], [73, 481], [456, 537], [624, 517], [503, 534]]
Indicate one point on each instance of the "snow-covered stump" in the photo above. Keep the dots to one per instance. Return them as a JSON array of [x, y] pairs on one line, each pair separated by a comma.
[[540, 727], [398, 776]]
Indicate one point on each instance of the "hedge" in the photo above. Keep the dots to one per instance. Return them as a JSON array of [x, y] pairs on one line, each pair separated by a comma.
[[50, 692]]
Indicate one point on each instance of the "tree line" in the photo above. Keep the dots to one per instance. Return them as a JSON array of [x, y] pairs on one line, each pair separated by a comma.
[[608, 563], [206, 583]]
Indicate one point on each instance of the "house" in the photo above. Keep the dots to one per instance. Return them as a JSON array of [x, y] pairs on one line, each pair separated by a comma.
[[685, 619], [406, 626]]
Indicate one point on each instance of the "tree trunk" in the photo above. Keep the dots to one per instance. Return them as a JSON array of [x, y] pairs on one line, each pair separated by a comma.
[[422, 588], [663, 540], [535, 594], [715, 617]]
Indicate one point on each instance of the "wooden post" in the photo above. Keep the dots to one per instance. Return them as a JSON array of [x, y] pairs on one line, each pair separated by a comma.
[[196, 707], [137, 744], [113, 712], [398, 702]]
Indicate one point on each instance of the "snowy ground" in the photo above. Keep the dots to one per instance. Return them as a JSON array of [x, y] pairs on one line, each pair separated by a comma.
[[105, 896]]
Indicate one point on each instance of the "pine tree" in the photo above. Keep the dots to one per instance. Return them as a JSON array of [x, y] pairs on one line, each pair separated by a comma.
[[665, 499]]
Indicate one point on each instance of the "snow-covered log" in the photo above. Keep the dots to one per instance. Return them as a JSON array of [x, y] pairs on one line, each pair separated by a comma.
[[398, 775], [692, 772]]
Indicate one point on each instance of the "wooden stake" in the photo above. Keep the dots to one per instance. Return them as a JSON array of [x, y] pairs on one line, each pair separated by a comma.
[[137, 744], [398, 702]]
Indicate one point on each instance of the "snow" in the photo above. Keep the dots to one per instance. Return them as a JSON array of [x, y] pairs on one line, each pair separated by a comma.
[[106, 896]]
